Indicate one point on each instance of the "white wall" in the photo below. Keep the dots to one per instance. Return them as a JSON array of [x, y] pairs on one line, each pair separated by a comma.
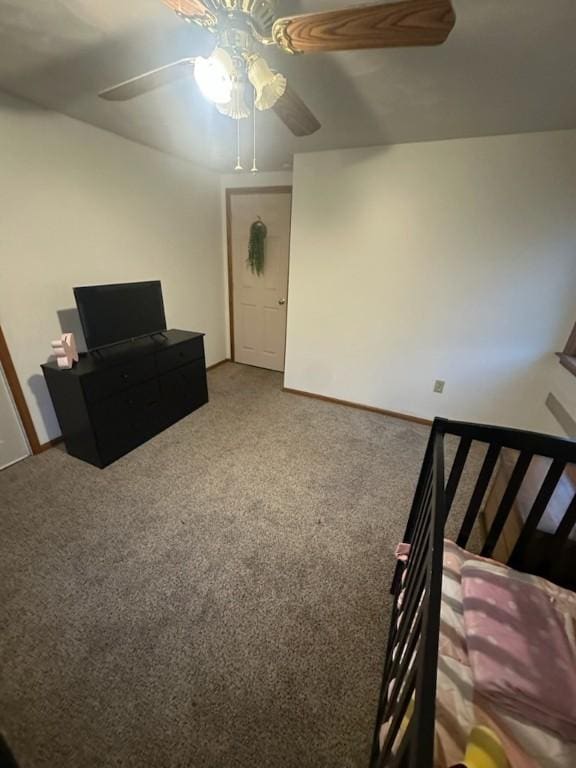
[[451, 260], [236, 181], [260, 179], [79, 205]]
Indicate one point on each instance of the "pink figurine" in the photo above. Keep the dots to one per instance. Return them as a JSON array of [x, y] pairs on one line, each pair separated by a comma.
[[65, 350]]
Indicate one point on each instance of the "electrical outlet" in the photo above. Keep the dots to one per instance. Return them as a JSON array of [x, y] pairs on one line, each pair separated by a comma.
[[439, 386]]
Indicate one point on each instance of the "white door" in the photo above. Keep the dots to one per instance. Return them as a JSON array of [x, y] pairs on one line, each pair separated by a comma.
[[259, 301], [13, 443]]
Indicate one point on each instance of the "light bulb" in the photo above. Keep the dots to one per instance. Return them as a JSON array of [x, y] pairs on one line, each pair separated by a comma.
[[236, 107], [268, 85], [214, 76]]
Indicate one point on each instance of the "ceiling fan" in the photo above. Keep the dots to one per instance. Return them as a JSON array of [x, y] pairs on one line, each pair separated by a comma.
[[242, 29]]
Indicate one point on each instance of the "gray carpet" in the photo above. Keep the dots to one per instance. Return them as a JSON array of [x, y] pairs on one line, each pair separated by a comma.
[[216, 598]]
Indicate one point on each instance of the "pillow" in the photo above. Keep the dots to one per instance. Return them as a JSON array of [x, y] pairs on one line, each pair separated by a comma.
[[520, 652]]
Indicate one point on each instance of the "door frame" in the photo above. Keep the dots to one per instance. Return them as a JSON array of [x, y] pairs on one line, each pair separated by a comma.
[[230, 191], [18, 396]]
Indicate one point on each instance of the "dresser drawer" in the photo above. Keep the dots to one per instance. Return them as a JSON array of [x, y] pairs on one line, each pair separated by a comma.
[[129, 415], [104, 383], [181, 354], [183, 390], [127, 419]]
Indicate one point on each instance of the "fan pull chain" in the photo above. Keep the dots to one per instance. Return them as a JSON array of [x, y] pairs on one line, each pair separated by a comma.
[[254, 169], [238, 163]]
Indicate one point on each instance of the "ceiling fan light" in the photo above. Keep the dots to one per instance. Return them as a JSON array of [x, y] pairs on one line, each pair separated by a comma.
[[268, 85], [215, 76], [236, 108]]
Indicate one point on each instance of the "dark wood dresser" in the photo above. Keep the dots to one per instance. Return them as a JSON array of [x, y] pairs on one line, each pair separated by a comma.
[[114, 400]]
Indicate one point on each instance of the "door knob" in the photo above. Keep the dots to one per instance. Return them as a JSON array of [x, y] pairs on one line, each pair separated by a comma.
[[281, 301]]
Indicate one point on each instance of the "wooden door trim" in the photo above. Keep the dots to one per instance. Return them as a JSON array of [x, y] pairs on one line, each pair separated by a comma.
[[240, 191], [18, 396]]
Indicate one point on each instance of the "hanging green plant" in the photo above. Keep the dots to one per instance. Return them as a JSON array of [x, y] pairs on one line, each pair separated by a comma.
[[258, 232]]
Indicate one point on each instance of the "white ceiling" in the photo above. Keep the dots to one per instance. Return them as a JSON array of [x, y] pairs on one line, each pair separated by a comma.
[[509, 66]]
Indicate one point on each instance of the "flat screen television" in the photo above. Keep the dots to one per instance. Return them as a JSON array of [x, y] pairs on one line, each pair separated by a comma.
[[113, 313]]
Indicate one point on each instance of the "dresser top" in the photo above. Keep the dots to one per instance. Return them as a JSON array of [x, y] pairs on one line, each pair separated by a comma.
[[108, 357]]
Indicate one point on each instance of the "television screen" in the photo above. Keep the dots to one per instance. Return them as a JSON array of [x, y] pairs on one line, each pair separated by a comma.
[[113, 313]]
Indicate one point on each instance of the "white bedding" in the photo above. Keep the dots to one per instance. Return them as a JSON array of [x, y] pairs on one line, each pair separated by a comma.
[[459, 707]]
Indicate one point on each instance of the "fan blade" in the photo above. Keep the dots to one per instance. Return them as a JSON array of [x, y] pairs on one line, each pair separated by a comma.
[[149, 81], [389, 25], [191, 9], [295, 114]]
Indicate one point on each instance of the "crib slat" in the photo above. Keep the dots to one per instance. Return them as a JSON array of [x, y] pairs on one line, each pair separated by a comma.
[[538, 508], [421, 530], [423, 479], [399, 713], [401, 758], [400, 670], [411, 600], [478, 494], [421, 523], [561, 537], [405, 635], [382, 699], [505, 506], [416, 567], [410, 606], [419, 505], [456, 471]]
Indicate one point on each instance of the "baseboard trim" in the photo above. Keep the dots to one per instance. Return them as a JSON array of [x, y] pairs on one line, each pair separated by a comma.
[[360, 406], [220, 362], [50, 444]]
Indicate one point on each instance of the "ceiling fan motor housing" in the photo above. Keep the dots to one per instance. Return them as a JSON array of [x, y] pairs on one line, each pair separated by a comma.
[[260, 13], [256, 15]]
